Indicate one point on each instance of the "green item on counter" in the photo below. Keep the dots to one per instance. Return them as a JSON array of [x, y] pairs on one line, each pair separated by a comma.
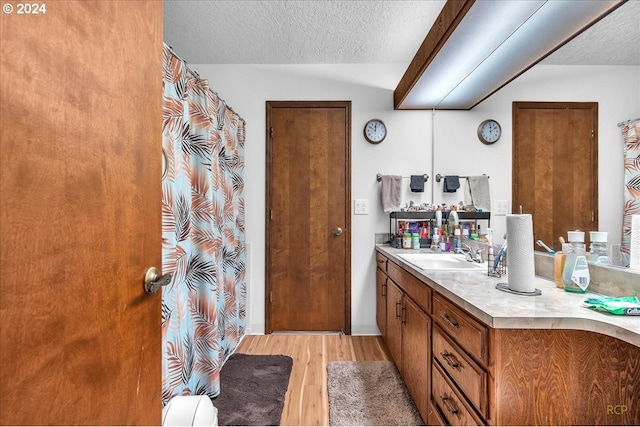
[[626, 306]]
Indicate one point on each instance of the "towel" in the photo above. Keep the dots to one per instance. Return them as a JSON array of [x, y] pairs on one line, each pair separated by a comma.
[[476, 193], [417, 183], [391, 192], [451, 183]]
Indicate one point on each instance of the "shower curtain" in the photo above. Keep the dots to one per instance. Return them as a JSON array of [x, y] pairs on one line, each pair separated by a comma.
[[630, 133], [203, 236]]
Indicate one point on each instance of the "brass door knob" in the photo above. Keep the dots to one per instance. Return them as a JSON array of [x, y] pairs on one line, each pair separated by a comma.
[[337, 231]]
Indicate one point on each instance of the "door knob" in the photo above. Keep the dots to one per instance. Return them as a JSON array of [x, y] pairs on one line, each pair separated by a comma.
[[154, 281], [337, 231]]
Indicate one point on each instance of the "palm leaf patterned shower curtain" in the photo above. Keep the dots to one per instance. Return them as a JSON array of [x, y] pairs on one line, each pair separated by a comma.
[[631, 136], [203, 240]]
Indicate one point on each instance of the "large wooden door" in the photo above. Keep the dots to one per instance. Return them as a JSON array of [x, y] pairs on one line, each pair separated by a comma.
[[80, 193], [308, 216], [555, 167]]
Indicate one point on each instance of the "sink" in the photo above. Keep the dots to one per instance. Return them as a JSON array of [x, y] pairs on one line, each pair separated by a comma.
[[447, 261]]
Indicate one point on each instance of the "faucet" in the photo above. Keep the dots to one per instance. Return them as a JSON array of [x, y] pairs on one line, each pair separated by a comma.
[[470, 254]]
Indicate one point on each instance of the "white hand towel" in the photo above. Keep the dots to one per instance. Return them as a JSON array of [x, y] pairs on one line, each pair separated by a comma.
[[391, 192], [476, 192]]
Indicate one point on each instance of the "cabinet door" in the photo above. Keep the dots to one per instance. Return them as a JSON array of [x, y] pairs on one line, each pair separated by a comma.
[[416, 354], [381, 302], [394, 324]]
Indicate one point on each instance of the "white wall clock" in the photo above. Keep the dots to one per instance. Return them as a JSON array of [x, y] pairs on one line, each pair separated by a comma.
[[375, 131], [489, 131]]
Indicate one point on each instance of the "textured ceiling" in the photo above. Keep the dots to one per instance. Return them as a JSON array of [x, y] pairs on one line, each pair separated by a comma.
[[353, 31]]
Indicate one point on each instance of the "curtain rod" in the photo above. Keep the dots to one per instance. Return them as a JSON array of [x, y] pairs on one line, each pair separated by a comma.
[[196, 75], [627, 122]]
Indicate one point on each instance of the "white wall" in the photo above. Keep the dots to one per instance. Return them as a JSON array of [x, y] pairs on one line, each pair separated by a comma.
[[407, 149]]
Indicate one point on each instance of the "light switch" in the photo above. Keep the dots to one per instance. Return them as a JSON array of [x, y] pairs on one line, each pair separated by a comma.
[[502, 207], [361, 207]]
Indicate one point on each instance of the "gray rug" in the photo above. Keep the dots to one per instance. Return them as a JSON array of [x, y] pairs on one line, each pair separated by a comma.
[[369, 394], [252, 390]]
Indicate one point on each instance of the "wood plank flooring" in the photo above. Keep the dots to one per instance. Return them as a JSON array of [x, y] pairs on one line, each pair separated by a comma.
[[307, 402]]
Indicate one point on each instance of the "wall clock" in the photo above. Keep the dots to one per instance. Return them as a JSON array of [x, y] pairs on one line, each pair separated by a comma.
[[375, 131], [489, 131]]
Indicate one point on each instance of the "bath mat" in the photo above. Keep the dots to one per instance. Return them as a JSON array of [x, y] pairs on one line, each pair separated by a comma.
[[369, 394], [252, 390]]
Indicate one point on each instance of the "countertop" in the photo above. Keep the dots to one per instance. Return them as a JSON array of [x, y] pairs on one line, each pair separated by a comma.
[[476, 292]]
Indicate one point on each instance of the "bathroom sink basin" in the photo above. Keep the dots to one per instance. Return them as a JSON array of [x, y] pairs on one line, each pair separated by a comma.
[[452, 262]]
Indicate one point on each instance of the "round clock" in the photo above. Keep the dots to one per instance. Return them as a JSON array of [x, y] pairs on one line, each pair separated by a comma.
[[489, 131], [375, 131]]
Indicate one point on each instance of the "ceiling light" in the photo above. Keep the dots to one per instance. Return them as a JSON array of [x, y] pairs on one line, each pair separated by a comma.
[[487, 44]]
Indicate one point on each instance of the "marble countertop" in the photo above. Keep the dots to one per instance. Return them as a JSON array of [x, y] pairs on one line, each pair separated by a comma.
[[476, 292]]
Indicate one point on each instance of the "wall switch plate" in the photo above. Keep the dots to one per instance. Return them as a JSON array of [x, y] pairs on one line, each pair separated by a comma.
[[502, 207], [361, 207]]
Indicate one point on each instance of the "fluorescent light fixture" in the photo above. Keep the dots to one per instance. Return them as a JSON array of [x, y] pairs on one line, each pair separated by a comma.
[[496, 41]]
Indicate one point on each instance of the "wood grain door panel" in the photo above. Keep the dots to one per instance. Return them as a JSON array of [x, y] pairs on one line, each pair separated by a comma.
[[81, 132], [555, 167], [308, 267]]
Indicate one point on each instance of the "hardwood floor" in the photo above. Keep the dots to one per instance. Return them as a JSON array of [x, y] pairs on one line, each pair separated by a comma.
[[306, 402]]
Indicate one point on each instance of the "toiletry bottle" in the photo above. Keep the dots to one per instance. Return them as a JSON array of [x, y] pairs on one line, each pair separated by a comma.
[[598, 252], [439, 217], [456, 240], [559, 261], [575, 275], [406, 240], [415, 241]]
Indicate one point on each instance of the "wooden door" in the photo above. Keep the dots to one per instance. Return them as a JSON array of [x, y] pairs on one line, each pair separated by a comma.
[[416, 354], [308, 245], [394, 323], [81, 140], [555, 167]]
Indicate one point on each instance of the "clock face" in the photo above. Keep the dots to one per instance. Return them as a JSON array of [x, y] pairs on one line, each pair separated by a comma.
[[489, 131], [375, 131]]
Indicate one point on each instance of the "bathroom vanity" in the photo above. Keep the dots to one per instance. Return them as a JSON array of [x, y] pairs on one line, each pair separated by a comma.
[[474, 355]]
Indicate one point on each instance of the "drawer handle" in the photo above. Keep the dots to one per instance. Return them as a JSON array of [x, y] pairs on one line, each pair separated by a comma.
[[447, 319], [381, 261], [398, 308], [451, 360], [384, 288], [448, 403], [404, 314]]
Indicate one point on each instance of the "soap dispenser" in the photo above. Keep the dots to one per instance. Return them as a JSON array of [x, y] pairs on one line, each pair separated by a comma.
[[576, 269]]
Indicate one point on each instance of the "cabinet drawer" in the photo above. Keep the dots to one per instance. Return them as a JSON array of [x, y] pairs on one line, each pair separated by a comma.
[[467, 374], [467, 332], [434, 417], [381, 261], [453, 407], [417, 291]]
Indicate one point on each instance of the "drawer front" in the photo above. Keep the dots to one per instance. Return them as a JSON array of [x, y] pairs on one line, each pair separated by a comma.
[[467, 332], [453, 407], [467, 374], [381, 261], [434, 417], [417, 291]]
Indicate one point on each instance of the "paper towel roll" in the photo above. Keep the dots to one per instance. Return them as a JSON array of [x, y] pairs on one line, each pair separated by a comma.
[[520, 260], [634, 249], [190, 411]]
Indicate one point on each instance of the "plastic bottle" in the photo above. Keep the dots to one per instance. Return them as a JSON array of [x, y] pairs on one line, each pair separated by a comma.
[[575, 275], [598, 252], [457, 240], [415, 241], [438, 217], [406, 240]]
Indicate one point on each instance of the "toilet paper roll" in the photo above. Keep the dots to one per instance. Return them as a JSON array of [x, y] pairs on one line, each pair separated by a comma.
[[190, 411], [520, 260], [634, 249]]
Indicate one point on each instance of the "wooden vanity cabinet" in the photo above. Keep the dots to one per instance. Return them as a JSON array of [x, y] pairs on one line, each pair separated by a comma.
[[407, 329], [459, 371]]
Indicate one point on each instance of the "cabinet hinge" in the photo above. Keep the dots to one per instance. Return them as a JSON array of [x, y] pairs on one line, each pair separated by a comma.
[[593, 216], [270, 214], [271, 132], [271, 297]]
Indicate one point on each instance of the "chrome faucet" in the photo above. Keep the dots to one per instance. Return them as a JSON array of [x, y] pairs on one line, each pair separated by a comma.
[[470, 254]]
